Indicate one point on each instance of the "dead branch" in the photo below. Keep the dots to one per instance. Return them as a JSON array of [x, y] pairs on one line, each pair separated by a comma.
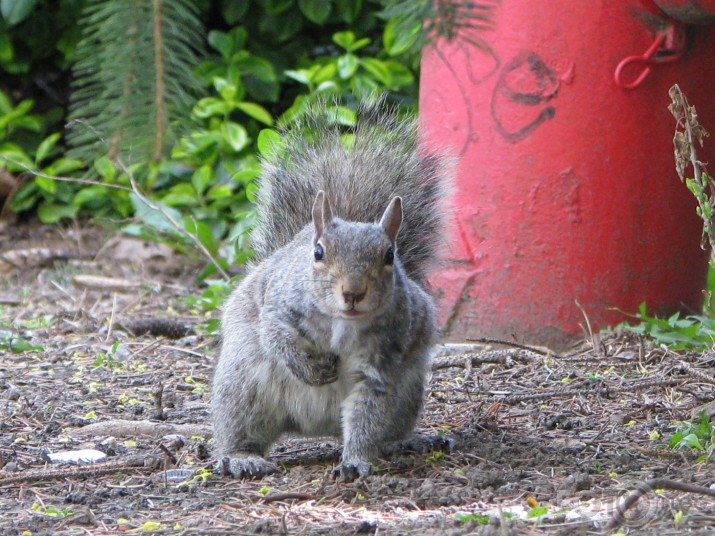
[[508, 358], [273, 497], [649, 485], [135, 463], [126, 428], [534, 349], [176, 225], [65, 179]]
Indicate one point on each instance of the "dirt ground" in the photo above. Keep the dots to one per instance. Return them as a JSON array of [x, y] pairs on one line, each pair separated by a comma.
[[546, 443]]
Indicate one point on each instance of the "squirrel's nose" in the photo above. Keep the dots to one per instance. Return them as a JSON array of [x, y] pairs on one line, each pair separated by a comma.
[[353, 297]]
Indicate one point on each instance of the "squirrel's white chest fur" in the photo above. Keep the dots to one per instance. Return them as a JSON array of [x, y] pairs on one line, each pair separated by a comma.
[[345, 338]]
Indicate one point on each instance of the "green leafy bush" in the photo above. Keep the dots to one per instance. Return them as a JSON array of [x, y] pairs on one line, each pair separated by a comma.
[[264, 60]]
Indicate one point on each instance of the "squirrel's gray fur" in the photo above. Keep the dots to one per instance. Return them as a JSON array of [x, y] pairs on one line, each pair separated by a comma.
[[331, 331]]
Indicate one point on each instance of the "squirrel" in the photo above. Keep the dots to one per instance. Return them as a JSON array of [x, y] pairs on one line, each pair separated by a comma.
[[331, 332]]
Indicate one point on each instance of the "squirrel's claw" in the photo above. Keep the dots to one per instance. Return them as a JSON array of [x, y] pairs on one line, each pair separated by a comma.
[[347, 472], [246, 467]]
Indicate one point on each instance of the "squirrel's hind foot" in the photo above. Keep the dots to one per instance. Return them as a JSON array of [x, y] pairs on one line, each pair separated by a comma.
[[249, 466]]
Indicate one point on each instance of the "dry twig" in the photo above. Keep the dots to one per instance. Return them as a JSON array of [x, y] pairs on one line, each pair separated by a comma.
[[649, 485]]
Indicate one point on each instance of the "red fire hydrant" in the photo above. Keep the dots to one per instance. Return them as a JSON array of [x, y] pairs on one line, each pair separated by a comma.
[[567, 201]]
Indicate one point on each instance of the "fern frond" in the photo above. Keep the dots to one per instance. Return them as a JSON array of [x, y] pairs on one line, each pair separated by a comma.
[[133, 77]]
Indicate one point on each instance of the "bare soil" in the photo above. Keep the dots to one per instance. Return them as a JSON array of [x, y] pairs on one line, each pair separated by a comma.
[[546, 443]]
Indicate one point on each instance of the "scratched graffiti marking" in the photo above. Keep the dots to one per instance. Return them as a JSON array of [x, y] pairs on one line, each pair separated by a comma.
[[524, 86]]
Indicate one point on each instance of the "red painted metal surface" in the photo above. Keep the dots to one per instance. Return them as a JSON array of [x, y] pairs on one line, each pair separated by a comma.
[[566, 190]]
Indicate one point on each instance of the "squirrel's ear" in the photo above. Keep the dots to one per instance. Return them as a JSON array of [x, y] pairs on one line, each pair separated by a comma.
[[392, 218], [322, 214]]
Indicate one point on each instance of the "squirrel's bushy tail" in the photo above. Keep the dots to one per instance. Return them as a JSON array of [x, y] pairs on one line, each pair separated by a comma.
[[380, 157]]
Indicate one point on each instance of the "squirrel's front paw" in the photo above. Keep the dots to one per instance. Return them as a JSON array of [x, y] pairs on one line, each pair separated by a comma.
[[316, 370], [325, 369], [347, 472], [245, 467]]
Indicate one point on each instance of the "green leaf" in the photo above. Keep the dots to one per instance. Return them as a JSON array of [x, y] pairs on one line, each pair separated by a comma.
[[27, 122], [221, 42], [219, 191], [274, 7], [347, 65], [364, 86], [209, 106], [256, 111], [43, 150], [200, 179], [202, 231], [247, 175], [348, 9], [235, 135], [62, 166], [482, 519], [15, 153], [233, 11], [251, 191], [691, 440], [16, 344], [226, 89], [401, 76], [180, 195], [400, 36], [5, 104], [90, 193], [325, 73], [317, 11], [260, 68], [154, 218], [342, 115], [344, 39], [105, 168], [269, 143], [538, 511], [46, 184], [6, 53], [52, 213], [15, 11], [378, 70]]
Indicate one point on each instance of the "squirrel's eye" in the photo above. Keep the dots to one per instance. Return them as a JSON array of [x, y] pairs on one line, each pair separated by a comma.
[[390, 256], [318, 252]]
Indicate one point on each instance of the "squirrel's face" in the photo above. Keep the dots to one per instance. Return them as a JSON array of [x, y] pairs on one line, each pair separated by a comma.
[[353, 263], [353, 267]]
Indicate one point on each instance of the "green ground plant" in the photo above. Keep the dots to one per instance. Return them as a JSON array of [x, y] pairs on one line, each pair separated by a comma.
[[692, 332], [697, 435]]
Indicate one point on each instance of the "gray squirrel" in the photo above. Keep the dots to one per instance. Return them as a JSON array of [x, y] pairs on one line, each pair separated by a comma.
[[331, 331]]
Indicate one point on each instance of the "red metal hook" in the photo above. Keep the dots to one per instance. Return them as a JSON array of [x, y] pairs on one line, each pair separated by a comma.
[[667, 47]]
